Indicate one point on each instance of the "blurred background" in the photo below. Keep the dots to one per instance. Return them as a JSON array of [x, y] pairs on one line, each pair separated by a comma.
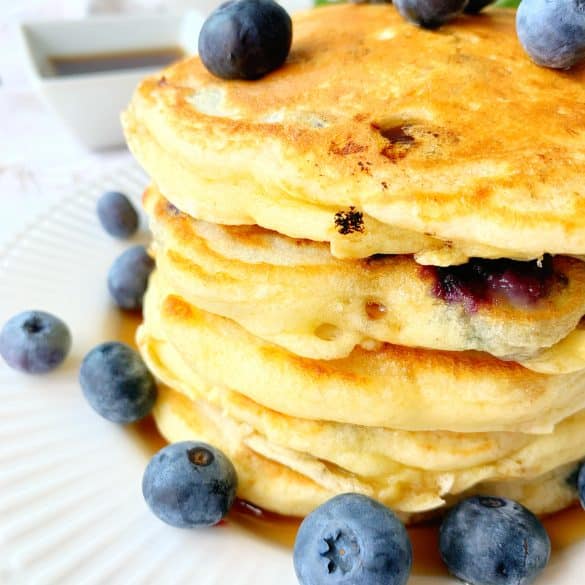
[[40, 156], [23, 114], [49, 125]]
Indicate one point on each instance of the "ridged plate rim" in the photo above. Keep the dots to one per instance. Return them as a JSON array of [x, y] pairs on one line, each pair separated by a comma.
[[71, 511]]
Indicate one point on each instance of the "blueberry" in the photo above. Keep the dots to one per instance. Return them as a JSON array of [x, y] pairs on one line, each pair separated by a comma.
[[117, 383], [128, 277], [476, 6], [245, 39], [34, 342], [552, 32], [352, 539], [430, 13], [117, 214], [581, 484], [493, 541], [190, 484], [572, 480]]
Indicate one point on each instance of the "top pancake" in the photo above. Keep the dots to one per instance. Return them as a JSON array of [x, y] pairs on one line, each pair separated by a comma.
[[452, 143]]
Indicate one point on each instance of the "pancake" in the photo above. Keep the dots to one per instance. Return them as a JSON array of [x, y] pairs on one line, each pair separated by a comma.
[[379, 137], [294, 293], [292, 483], [394, 387], [413, 472], [280, 471]]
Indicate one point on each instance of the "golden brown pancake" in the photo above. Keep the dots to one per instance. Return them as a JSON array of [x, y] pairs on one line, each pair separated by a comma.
[[379, 137], [393, 387], [295, 476], [289, 464], [294, 483], [295, 294], [318, 368]]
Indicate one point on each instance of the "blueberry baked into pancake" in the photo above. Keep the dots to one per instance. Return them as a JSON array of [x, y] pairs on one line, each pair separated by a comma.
[[297, 295], [369, 264]]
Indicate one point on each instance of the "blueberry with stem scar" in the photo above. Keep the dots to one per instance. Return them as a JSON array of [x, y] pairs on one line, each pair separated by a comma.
[[352, 539], [34, 342], [190, 484]]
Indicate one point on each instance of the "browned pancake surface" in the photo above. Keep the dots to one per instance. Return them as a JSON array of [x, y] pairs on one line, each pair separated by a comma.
[[453, 134]]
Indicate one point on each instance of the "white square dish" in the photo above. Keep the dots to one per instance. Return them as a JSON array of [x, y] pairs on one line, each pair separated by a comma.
[[90, 103]]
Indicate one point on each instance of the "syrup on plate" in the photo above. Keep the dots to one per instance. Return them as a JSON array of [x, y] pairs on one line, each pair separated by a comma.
[[564, 528]]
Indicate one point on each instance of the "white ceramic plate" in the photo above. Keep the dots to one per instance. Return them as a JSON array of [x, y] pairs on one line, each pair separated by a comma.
[[71, 509]]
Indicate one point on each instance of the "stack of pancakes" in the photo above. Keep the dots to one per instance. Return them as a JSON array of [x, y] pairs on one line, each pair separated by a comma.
[[368, 264]]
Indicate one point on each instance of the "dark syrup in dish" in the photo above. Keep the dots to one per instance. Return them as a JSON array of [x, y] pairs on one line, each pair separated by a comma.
[[67, 65]]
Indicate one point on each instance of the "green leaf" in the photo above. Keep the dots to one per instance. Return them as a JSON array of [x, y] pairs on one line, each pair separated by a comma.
[[507, 3], [499, 3]]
